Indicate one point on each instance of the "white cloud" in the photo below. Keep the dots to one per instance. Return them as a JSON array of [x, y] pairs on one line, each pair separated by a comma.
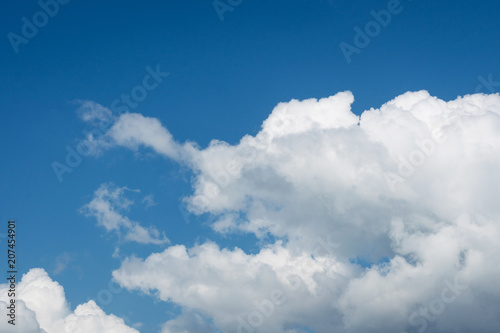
[[106, 205], [149, 201], [224, 284], [96, 114], [89, 317], [101, 119], [410, 187], [62, 262], [132, 130], [25, 319], [41, 307]]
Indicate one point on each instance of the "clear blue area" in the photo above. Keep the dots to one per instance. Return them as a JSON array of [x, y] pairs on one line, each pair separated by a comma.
[[225, 78]]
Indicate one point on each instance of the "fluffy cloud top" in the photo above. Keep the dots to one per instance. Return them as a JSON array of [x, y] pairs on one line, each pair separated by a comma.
[[409, 189], [41, 307]]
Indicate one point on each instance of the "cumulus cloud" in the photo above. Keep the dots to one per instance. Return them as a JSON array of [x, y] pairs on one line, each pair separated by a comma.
[[229, 286], [408, 189], [106, 205], [41, 307]]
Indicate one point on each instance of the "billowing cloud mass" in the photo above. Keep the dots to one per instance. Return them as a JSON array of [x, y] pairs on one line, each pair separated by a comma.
[[106, 205], [41, 307], [386, 222]]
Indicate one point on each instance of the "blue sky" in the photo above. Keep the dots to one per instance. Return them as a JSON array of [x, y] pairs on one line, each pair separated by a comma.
[[224, 79]]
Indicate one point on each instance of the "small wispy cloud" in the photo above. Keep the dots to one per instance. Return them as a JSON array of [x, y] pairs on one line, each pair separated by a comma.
[[62, 262], [106, 206], [149, 201]]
